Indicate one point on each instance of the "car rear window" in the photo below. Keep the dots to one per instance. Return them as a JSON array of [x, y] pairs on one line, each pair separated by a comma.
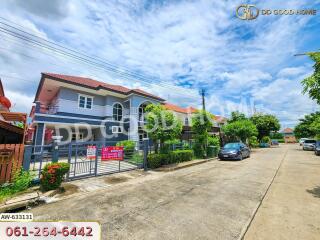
[[231, 145], [310, 141]]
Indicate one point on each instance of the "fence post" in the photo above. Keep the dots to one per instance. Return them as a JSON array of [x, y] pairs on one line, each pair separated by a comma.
[[145, 153], [96, 163], [27, 157], [69, 160]]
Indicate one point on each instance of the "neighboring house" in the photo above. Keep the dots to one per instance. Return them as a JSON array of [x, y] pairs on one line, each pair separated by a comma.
[[288, 135], [220, 120], [185, 115], [72, 107], [9, 132]]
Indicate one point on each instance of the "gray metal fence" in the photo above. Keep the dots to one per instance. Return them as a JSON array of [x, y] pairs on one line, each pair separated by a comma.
[[81, 165]]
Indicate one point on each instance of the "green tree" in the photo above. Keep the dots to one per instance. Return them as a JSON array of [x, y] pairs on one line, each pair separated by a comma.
[[240, 130], [315, 127], [265, 123], [306, 126], [237, 116], [162, 125], [311, 84], [202, 123]]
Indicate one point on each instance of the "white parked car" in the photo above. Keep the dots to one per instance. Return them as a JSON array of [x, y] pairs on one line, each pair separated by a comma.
[[301, 141], [309, 144]]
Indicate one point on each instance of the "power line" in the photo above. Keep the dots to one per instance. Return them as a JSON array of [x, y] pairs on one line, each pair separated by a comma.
[[96, 69], [87, 59]]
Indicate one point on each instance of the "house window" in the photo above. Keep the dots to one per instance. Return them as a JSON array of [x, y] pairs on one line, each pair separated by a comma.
[[142, 112], [85, 102], [117, 112], [117, 129]]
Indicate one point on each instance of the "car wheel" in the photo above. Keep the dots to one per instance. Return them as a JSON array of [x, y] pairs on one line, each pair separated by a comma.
[[241, 157]]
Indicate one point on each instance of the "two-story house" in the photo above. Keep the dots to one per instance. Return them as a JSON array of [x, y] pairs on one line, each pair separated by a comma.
[[79, 108], [185, 116]]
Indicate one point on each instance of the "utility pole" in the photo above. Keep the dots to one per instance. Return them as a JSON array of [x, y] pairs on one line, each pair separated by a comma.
[[203, 93]]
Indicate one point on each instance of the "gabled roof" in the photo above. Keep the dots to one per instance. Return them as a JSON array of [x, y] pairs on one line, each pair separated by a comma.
[[175, 108], [93, 84], [220, 119], [287, 130]]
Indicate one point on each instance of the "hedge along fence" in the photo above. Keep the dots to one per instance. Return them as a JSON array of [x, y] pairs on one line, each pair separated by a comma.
[[157, 160]]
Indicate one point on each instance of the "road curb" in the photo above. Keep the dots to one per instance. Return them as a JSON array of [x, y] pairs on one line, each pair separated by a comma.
[[170, 168]]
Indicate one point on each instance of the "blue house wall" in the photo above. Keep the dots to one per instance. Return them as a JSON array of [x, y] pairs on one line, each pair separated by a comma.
[[68, 112]]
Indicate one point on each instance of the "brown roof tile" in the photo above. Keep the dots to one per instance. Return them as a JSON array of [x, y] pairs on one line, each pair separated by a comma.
[[287, 130], [175, 108], [88, 82]]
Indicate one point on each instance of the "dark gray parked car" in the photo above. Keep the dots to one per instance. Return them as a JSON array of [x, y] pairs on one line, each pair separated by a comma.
[[234, 151], [309, 144]]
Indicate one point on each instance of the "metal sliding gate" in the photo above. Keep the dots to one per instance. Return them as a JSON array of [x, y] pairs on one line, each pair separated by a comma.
[[84, 159]]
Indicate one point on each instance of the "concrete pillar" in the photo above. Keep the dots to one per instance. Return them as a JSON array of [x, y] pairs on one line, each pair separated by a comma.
[[134, 115]]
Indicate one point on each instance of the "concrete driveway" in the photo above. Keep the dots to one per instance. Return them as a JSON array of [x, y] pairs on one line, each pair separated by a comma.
[[215, 200]]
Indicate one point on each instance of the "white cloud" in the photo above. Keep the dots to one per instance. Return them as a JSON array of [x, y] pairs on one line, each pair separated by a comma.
[[294, 71], [201, 42]]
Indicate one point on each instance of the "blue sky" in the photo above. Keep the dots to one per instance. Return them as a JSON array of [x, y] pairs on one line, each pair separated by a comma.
[[185, 45]]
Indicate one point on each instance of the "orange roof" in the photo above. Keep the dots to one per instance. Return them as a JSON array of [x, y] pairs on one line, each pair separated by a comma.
[[175, 108], [287, 130], [91, 83], [219, 119]]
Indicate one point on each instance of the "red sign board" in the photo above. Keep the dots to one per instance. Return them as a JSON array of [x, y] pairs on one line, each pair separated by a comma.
[[112, 153]]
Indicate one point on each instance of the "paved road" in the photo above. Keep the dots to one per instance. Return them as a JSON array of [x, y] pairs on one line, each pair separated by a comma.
[[291, 208], [214, 200]]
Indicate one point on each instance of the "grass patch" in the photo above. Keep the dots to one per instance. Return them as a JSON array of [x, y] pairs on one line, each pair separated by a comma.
[[21, 182]]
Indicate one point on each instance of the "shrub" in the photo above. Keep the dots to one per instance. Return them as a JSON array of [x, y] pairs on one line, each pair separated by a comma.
[[173, 141], [52, 175], [198, 150], [276, 135], [180, 156], [157, 160], [214, 141], [186, 146], [21, 181], [128, 147], [253, 142], [265, 139]]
